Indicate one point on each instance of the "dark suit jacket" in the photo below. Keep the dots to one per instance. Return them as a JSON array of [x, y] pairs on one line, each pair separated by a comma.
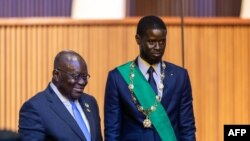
[[44, 117], [123, 122]]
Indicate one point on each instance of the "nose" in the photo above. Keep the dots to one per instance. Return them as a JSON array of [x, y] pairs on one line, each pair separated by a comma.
[[157, 45], [82, 81]]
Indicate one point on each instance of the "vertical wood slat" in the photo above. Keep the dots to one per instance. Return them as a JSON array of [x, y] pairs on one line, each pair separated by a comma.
[[7, 81], [173, 51], [2, 76], [208, 74], [192, 58], [217, 58], [9, 78], [18, 78], [241, 75], [12, 78], [201, 58], [225, 75], [39, 54]]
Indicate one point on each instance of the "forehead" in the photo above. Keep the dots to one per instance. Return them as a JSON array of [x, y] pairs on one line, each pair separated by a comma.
[[155, 32], [75, 65]]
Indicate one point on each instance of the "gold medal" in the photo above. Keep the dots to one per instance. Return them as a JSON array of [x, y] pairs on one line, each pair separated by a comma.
[[147, 123]]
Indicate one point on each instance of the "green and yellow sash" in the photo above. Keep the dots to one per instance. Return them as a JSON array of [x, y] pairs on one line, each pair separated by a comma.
[[146, 97]]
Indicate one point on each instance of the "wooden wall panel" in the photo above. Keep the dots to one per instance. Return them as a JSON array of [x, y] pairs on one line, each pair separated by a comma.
[[225, 75], [192, 57], [201, 63], [173, 50], [2, 78], [241, 75], [216, 57]]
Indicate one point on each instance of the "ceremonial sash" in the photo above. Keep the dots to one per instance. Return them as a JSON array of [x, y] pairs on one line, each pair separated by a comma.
[[146, 97]]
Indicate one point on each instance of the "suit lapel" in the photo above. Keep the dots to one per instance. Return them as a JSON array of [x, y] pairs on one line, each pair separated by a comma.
[[87, 109], [168, 82], [58, 107]]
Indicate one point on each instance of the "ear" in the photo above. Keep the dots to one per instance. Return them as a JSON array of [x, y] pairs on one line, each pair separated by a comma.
[[55, 74], [138, 39]]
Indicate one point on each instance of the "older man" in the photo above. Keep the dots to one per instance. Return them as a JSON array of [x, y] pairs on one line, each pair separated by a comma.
[[62, 112]]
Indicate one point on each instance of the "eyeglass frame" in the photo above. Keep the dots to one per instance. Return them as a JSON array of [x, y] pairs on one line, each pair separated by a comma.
[[75, 76]]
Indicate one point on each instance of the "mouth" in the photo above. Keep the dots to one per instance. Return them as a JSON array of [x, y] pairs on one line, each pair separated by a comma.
[[79, 90], [156, 54]]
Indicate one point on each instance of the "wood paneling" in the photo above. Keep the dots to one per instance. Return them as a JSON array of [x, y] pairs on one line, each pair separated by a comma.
[[216, 57]]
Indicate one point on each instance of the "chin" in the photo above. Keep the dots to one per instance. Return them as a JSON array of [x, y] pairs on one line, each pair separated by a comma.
[[154, 61], [76, 95]]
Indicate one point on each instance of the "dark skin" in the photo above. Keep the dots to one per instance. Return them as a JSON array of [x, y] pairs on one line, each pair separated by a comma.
[[152, 45], [66, 65]]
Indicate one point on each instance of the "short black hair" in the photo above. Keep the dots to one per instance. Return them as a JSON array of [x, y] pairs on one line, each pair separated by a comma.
[[63, 57], [149, 22]]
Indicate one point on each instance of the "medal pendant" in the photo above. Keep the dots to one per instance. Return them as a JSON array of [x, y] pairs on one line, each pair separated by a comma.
[[146, 123]]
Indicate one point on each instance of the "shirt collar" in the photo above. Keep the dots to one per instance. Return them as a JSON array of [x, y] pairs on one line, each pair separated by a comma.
[[61, 97], [144, 66]]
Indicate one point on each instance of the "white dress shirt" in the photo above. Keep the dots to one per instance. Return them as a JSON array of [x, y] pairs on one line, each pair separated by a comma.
[[144, 66], [67, 104]]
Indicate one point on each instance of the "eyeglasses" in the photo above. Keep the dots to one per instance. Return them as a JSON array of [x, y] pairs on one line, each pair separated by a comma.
[[76, 77]]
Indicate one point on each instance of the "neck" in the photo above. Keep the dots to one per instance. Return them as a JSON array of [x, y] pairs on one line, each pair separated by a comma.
[[147, 62]]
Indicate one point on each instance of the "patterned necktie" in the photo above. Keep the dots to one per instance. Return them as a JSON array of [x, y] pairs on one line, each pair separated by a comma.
[[151, 79], [80, 121]]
